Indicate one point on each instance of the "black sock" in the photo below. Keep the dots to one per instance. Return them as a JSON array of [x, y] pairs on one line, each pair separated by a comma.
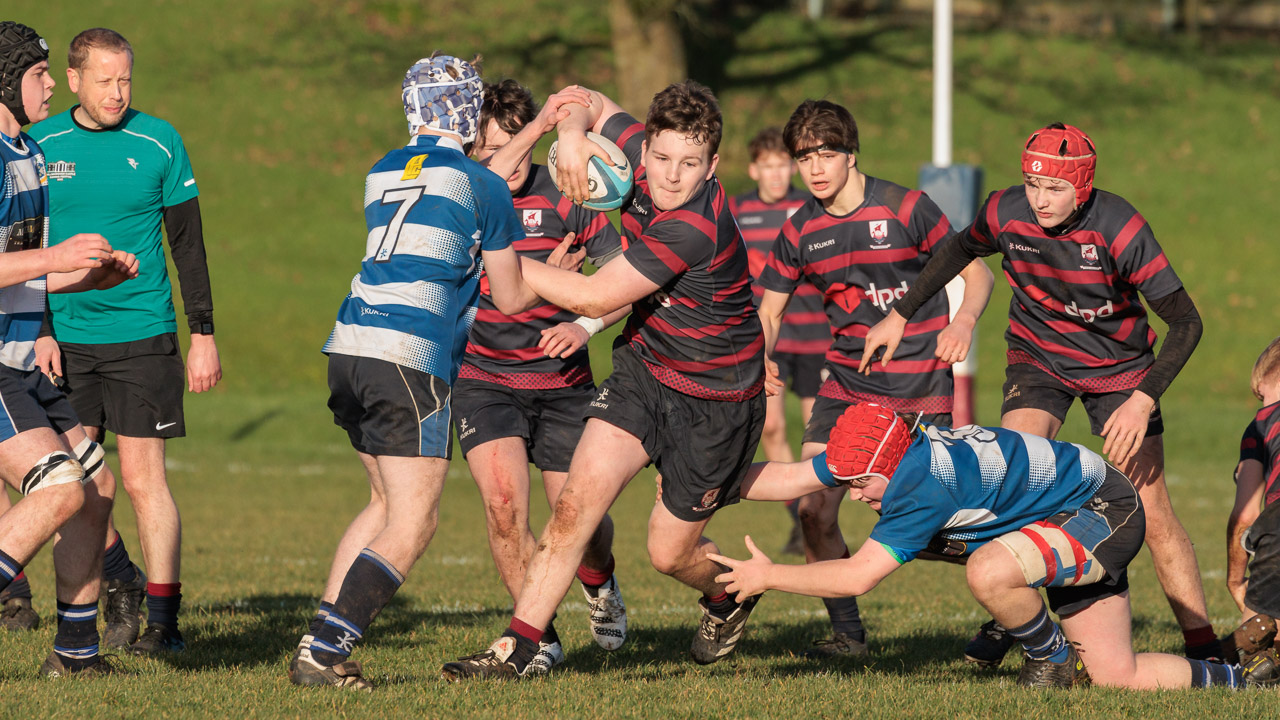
[[1041, 638], [549, 635], [845, 617], [76, 641], [317, 622], [116, 564], [19, 588], [1211, 674], [722, 605], [368, 587], [525, 650], [10, 569]]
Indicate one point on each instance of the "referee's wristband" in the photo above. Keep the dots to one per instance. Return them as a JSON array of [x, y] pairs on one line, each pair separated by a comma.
[[825, 476], [200, 327], [591, 325]]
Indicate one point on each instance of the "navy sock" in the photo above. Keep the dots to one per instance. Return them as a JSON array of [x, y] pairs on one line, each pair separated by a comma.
[[525, 650], [845, 618], [19, 588], [317, 622], [368, 587], [1211, 674], [163, 601], [550, 635], [76, 642], [9, 569], [1042, 638], [116, 564]]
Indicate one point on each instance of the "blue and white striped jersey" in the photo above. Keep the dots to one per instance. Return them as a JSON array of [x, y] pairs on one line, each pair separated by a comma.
[[24, 225], [974, 484], [430, 210]]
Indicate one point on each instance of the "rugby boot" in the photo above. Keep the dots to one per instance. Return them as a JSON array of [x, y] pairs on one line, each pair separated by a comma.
[[305, 671], [496, 662], [838, 645], [988, 648], [718, 637], [18, 615], [1049, 674], [123, 601], [550, 654], [607, 615], [1254, 635], [106, 665], [158, 639], [1263, 669]]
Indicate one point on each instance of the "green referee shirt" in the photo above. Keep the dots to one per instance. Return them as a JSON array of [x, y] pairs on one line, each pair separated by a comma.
[[115, 182]]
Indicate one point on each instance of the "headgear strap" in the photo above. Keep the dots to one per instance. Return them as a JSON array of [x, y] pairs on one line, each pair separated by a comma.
[[20, 48], [1065, 153], [443, 93], [868, 439]]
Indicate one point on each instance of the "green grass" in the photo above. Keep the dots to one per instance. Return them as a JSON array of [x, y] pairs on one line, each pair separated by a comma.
[[285, 104]]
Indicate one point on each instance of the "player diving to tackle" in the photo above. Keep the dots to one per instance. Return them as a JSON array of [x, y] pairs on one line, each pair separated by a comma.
[[1022, 511]]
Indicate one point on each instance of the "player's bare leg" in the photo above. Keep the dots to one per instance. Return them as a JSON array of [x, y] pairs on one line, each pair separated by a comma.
[[1172, 553], [159, 524], [678, 549], [32, 521], [362, 530]]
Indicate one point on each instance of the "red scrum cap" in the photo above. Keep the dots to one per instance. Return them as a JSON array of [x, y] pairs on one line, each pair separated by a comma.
[[868, 439], [1065, 153]]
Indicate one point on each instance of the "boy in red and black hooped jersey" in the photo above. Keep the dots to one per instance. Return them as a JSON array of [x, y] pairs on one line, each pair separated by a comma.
[[685, 393], [861, 241], [805, 334], [1078, 259], [1253, 532], [526, 380]]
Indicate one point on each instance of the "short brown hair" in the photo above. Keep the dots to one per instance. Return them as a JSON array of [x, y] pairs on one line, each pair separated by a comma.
[[1267, 369], [820, 122], [509, 104], [688, 108], [95, 39], [768, 140]]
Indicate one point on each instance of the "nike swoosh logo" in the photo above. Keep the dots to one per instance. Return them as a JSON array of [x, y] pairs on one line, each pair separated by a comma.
[[161, 427]]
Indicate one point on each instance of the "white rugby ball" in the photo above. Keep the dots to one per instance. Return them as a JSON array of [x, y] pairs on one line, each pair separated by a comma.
[[609, 184]]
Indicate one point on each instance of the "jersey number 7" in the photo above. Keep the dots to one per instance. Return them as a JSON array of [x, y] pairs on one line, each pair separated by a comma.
[[404, 198]]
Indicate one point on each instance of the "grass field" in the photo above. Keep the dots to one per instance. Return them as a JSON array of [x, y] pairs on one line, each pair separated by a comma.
[[285, 104]]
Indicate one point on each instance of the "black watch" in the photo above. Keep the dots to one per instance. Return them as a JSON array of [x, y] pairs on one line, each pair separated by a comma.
[[203, 327]]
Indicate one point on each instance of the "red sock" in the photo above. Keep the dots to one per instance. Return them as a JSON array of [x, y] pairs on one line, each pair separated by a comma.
[[164, 589], [596, 578], [1199, 636], [525, 630]]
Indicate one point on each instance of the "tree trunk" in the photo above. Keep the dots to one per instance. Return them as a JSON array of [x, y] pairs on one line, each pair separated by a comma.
[[648, 51]]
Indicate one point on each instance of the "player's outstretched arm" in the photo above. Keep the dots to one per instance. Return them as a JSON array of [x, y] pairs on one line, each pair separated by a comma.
[[77, 253], [954, 340], [829, 579], [507, 286], [885, 334], [114, 268], [568, 338], [574, 150], [1249, 487], [508, 157], [610, 288]]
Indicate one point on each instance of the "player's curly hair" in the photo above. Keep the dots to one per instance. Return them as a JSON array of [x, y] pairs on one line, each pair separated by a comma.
[[509, 104], [688, 108], [1266, 369], [95, 39], [768, 140], [820, 122]]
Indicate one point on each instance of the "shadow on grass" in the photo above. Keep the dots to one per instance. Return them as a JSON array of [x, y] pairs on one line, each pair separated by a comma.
[[264, 629]]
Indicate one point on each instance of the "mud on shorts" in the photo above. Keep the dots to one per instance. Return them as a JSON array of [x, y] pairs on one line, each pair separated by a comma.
[[1082, 556], [1262, 541], [29, 400], [803, 369], [389, 409], [1027, 386], [703, 448], [550, 421], [130, 388]]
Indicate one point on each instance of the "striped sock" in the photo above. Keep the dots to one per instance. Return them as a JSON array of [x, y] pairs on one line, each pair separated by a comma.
[[19, 588], [317, 622], [1206, 674], [1042, 638], [163, 601], [76, 642], [369, 585], [9, 570]]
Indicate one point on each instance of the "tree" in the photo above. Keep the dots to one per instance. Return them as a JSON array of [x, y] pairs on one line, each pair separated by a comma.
[[648, 49]]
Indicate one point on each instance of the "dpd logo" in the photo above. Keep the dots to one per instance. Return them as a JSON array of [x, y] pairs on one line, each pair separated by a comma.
[[1090, 315]]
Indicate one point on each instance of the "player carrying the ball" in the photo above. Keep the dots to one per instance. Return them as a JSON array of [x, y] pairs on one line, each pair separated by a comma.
[[1078, 260], [1022, 511], [688, 365]]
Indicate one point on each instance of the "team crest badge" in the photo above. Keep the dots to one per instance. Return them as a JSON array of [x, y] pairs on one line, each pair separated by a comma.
[[709, 498], [532, 219], [1089, 252], [879, 229], [62, 170]]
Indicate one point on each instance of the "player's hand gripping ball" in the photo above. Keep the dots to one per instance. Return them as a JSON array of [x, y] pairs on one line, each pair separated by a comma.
[[868, 439], [608, 183]]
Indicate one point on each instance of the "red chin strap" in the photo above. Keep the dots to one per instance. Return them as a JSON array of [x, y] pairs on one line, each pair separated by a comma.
[[1067, 154]]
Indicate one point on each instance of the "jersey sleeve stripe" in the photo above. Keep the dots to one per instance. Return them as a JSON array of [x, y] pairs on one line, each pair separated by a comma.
[[1130, 231], [1150, 270], [908, 206]]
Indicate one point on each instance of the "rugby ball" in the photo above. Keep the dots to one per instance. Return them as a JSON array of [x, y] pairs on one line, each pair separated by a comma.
[[609, 184]]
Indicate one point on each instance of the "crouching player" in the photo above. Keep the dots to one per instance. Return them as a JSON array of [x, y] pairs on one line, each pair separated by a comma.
[[1025, 512], [1253, 532]]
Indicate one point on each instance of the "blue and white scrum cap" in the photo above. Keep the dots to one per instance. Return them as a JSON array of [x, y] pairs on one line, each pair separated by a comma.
[[443, 93]]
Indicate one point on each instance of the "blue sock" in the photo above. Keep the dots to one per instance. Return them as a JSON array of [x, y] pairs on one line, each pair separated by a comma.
[[116, 564], [1042, 638], [1206, 674], [19, 588], [9, 569], [163, 603], [76, 642], [368, 587]]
